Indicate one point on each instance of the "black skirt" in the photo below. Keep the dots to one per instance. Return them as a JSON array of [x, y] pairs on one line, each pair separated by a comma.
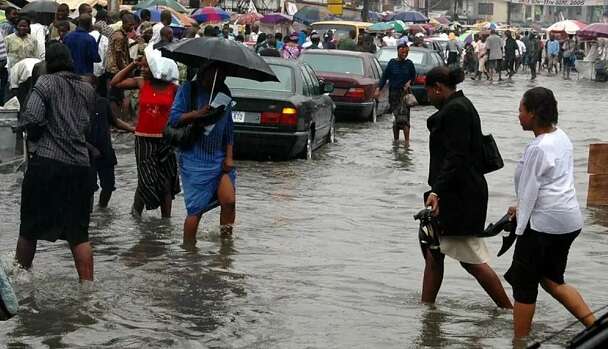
[[156, 171], [55, 201]]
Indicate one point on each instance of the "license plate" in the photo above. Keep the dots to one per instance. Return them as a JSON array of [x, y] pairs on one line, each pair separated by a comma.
[[339, 92], [238, 116]]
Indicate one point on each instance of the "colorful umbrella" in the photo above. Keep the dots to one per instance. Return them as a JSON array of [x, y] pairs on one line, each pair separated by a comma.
[[168, 3], [155, 17], [410, 16], [468, 36], [594, 31], [210, 15], [308, 15], [569, 26], [184, 18], [276, 18], [247, 18], [397, 26]]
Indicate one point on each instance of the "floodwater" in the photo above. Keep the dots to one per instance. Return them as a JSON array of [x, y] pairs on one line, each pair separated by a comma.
[[325, 253]]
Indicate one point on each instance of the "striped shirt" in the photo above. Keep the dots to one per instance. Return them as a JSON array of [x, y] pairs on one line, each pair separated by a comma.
[[210, 146], [3, 55], [62, 105]]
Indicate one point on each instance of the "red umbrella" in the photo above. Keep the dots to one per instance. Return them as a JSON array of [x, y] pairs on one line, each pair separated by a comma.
[[594, 31]]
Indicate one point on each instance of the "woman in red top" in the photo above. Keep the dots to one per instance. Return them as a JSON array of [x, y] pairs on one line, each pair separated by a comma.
[[157, 179]]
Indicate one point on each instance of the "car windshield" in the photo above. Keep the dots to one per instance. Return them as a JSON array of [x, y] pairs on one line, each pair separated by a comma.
[[335, 63], [340, 30], [417, 57], [282, 72]]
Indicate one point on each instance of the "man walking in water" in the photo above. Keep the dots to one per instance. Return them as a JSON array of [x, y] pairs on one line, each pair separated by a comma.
[[532, 51], [494, 52], [401, 73]]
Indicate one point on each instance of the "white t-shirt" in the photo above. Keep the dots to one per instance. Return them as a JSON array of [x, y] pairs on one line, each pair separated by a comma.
[[544, 183], [102, 48], [389, 41], [156, 33], [38, 33], [522, 48]]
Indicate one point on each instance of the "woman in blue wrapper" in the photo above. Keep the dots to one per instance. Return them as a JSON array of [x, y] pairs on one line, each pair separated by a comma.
[[207, 167]]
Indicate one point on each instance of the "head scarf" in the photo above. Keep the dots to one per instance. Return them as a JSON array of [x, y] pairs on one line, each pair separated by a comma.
[[162, 68]]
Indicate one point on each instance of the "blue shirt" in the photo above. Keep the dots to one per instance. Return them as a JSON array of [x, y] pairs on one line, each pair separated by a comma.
[[553, 47], [83, 48], [398, 73], [211, 146]]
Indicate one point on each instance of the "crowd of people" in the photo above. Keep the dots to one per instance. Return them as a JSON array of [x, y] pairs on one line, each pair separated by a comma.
[[77, 87]]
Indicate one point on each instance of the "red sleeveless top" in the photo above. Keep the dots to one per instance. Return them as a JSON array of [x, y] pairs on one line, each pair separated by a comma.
[[154, 108]]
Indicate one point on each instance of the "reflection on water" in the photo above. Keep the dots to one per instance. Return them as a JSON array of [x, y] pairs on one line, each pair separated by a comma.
[[325, 252]]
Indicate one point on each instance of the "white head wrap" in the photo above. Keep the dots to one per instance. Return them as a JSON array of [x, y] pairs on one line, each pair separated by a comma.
[[162, 68]]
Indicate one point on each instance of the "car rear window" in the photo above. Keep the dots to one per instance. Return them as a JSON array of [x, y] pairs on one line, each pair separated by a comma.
[[417, 57], [341, 31], [283, 73], [335, 63]]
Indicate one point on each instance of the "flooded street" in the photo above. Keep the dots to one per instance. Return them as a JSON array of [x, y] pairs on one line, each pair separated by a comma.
[[325, 253]]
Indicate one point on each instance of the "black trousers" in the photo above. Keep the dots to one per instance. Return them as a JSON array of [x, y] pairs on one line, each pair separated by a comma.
[[533, 69]]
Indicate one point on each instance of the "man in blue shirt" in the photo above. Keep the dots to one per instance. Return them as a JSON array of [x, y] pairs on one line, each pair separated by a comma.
[[553, 53], [401, 74], [83, 46]]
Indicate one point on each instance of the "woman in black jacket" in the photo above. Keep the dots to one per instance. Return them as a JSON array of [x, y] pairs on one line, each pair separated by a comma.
[[459, 192]]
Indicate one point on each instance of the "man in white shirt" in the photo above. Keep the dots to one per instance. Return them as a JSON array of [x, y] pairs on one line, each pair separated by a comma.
[[38, 33], [165, 20], [520, 54], [389, 40], [102, 48]]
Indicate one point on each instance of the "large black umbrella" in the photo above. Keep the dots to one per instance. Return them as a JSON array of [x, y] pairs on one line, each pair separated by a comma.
[[38, 7], [243, 62]]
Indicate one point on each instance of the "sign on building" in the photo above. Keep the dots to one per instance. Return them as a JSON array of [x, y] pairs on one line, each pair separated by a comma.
[[335, 6]]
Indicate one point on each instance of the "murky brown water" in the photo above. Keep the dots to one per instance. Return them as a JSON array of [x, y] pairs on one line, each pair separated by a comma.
[[325, 253]]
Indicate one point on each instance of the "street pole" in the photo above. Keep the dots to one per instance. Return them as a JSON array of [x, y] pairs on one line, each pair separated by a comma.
[[113, 6], [365, 11], [427, 3]]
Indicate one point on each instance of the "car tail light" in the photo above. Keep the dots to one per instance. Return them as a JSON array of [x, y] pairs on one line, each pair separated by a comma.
[[287, 117], [420, 80], [355, 94]]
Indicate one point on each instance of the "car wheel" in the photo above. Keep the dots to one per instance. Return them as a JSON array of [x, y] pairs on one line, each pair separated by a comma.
[[331, 137], [307, 151], [373, 117]]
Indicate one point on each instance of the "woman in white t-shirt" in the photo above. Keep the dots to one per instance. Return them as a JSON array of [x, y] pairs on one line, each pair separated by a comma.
[[548, 215]]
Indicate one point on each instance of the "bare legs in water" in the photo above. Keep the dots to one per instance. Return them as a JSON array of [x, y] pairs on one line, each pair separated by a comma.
[[567, 295], [485, 275], [227, 198], [82, 253]]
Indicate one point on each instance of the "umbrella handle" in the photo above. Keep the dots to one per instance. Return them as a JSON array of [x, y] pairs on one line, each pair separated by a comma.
[[213, 86]]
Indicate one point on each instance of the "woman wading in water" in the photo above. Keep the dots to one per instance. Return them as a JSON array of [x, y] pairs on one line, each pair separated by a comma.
[[459, 192]]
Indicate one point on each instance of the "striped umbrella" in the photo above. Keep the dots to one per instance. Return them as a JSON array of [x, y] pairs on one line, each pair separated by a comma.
[[210, 15], [155, 17], [184, 18]]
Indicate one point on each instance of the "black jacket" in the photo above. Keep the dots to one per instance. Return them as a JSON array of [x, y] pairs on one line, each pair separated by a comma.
[[454, 174]]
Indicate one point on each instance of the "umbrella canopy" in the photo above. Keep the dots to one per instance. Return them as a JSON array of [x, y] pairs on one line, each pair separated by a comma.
[[210, 15], [248, 18], [374, 16], [308, 15], [468, 36], [410, 16], [594, 31], [155, 17], [276, 18], [40, 7], [398, 26], [243, 62], [168, 3], [184, 18], [569, 26], [442, 19]]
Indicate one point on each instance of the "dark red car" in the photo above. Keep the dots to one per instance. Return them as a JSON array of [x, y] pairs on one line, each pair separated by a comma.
[[355, 76]]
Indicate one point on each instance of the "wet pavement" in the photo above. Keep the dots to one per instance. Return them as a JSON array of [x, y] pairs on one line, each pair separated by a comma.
[[325, 253]]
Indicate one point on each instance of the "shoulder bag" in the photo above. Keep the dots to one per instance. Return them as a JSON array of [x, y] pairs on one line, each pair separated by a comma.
[[492, 160]]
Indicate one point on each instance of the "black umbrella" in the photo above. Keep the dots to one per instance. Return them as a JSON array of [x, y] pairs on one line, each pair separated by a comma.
[[40, 7], [243, 62]]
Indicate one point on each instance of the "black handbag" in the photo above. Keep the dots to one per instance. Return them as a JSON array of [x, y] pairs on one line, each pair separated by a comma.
[[492, 160], [185, 136]]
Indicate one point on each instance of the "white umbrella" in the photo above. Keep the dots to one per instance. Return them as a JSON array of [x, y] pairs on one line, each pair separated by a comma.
[[569, 26]]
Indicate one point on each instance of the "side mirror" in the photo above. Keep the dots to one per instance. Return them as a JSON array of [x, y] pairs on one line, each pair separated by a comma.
[[327, 87]]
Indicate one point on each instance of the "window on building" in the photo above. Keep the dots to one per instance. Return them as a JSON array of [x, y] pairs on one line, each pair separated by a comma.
[[486, 9]]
